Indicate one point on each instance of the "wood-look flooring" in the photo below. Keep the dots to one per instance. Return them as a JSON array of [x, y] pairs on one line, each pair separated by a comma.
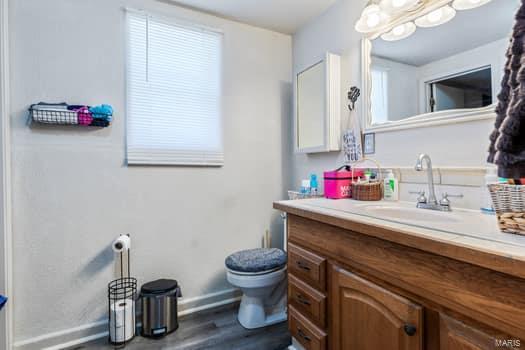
[[216, 329]]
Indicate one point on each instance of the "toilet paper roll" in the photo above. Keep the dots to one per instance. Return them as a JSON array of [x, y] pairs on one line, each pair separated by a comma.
[[121, 320], [121, 244]]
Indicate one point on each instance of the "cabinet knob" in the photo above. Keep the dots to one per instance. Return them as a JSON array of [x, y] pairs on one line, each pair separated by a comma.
[[410, 330]]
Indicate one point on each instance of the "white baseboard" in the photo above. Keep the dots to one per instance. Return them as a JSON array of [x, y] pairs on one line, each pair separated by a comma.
[[78, 335]]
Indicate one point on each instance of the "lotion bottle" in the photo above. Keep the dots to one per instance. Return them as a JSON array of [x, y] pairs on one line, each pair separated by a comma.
[[314, 186], [390, 187]]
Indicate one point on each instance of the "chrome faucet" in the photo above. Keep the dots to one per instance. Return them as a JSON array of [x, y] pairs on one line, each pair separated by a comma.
[[431, 202]]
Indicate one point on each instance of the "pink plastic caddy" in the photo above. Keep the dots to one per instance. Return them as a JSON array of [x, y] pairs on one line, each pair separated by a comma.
[[338, 183]]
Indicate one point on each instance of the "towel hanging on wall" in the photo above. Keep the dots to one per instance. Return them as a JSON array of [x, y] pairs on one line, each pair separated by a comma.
[[352, 138], [507, 141]]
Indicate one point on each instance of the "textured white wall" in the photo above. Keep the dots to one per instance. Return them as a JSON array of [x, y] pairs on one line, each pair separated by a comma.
[[73, 193], [451, 145]]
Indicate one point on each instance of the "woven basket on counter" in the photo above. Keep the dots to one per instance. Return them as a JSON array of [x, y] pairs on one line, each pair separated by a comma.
[[509, 204], [368, 191], [372, 191]]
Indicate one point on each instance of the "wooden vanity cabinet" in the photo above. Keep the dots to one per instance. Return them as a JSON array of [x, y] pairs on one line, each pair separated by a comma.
[[350, 291], [366, 316], [456, 335]]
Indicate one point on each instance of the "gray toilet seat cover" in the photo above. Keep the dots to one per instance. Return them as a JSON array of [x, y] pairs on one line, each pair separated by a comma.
[[256, 260]]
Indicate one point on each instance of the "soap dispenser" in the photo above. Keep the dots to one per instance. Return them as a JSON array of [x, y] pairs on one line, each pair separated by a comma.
[[390, 187]]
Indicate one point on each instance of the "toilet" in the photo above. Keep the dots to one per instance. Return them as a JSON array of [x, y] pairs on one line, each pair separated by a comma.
[[261, 276]]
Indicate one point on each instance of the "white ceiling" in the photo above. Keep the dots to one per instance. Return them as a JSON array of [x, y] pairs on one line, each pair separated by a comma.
[[285, 16], [468, 30]]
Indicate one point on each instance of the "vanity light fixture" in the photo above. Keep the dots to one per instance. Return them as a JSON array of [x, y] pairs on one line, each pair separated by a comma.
[[437, 17], [371, 18], [399, 32], [381, 15], [468, 4]]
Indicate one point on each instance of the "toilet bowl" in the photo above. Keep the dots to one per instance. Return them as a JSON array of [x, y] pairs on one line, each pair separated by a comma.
[[263, 284]]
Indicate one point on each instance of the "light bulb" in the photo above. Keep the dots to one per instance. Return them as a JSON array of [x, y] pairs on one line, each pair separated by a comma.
[[373, 20], [398, 3], [399, 30], [370, 9], [397, 6], [435, 16], [468, 4]]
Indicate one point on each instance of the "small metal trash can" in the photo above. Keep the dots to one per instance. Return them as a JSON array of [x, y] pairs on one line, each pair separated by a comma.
[[159, 307]]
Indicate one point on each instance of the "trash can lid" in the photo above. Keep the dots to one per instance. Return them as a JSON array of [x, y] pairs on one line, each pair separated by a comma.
[[159, 286]]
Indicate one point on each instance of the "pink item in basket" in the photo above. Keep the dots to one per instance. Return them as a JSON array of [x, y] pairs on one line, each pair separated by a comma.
[[338, 183], [84, 116]]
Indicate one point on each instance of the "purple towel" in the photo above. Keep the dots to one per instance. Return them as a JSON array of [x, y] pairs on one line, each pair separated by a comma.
[[507, 141]]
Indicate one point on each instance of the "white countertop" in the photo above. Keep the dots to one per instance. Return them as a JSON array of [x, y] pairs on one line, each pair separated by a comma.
[[464, 228]]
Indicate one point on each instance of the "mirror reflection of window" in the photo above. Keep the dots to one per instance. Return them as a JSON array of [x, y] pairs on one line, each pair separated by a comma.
[[472, 89], [380, 94]]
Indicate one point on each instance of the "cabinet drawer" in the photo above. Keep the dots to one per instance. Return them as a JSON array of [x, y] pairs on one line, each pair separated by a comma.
[[307, 266], [305, 332], [307, 300]]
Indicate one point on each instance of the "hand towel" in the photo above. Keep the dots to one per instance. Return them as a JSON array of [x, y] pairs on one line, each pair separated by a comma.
[[352, 142], [507, 140], [102, 112], [84, 116], [100, 122]]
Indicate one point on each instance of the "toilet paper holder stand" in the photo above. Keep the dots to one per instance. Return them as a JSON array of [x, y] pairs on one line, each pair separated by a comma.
[[122, 297]]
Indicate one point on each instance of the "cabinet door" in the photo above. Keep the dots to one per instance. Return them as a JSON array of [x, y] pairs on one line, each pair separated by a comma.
[[456, 335], [366, 316]]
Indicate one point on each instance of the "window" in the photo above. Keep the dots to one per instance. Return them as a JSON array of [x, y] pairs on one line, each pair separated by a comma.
[[173, 93], [379, 95]]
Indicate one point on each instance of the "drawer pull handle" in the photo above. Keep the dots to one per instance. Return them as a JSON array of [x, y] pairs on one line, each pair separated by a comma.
[[301, 299], [302, 335], [410, 330], [302, 265]]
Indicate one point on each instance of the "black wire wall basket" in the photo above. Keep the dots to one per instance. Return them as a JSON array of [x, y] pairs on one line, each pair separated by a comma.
[[42, 114]]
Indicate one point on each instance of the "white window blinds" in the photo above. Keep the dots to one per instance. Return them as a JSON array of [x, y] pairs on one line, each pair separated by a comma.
[[173, 93]]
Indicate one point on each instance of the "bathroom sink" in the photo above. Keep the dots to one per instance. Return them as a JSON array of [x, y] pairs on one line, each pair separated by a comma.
[[409, 214]]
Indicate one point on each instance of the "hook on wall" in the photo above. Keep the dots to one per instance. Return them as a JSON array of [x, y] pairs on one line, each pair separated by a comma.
[[353, 95]]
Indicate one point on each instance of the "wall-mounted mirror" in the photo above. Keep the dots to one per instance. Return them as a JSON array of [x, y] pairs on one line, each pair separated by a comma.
[[317, 107], [442, 74]]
